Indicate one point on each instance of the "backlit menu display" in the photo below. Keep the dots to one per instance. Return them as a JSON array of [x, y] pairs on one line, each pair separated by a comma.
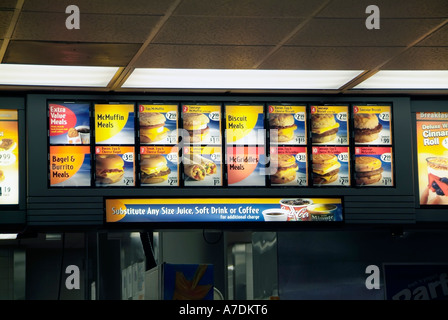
[[186, 145], [9, 157]]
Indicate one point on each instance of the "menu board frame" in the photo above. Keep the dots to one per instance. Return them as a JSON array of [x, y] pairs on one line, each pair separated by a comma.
[[224, 144], [14, 215], [87, 199]]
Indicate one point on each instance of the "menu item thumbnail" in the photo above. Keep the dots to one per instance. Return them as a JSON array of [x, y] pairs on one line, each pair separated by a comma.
[[114, 124], [158, 124], [202, 124], [329, 125], [372, 124], [287, 124], [288, 166], [202, 166], [159, 166], [245, 125], [69, 123], [9, 157], [432, 156], [373, 166], [114, 166], [246, 166], [70, 166], [331, 166]]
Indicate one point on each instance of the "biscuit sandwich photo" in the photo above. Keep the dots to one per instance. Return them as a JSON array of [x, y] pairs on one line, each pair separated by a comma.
[[109, 168], [325, 168], [368, 170], [197, 127], [152, 127], [367, 127], [154, 169], [324, 128], [285, 167], [285, 126]]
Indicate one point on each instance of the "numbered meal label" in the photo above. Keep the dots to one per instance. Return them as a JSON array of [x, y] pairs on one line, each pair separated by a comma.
[[372, 125], [288, 166], [374, 166], [287, 125], [330, 166], [159, 166]]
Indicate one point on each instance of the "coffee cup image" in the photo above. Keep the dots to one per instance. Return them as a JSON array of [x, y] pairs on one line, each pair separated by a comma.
[[84, 133], [275, 214], [322, 212]]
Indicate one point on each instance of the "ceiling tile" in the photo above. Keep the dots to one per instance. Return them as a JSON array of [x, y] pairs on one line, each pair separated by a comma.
[[93, 28], [388, 9], [5, 19], [8, 4], [80, 54], [248, 8], [420, 58], [438, 38], [202, 57], [225, 31], [353, 32], [147, 7], [329, 58]]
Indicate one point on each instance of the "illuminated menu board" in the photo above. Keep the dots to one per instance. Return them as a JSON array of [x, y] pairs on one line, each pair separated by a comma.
[[219, 145], [245, 145], [227, 210], [202, 148], [330, 146], [373, 146], [288, 155], [9, 157], [432, 157]]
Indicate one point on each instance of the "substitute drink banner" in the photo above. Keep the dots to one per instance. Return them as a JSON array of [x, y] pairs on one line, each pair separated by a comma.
[[432, 157], [224, 210]]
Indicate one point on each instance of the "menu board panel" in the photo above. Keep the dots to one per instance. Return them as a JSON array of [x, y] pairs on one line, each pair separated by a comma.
[[245, 125], [159, 166], [287, 124], [330, 166], [114, 124], [329, 125], [224, 210], [288, 166], [9, 157], [432, 157], [246, 166], [158, 124], [201, 124], [374, 166], [114, 166], [70, 166], [69, 123], [202, 166], [372, 125]]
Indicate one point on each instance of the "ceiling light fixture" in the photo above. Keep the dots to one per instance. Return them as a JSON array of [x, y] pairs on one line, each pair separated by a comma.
[[145, 78], [58, 76], [8, 236], [406, 79]]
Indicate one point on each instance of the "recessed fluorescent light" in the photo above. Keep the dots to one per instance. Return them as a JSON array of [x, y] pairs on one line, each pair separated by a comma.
[[8, 236], [60, 76], [406, 79], [238, 79]]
